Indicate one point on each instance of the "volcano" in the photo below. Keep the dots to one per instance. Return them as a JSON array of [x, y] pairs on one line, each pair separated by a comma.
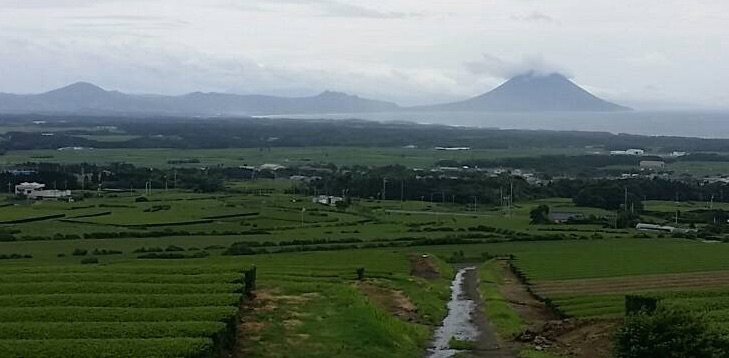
[[533, 92]]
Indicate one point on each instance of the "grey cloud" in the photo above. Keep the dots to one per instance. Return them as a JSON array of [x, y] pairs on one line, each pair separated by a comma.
[[340, 9], [125, 22], [329, 8], [495, 66], [51, 3], [534, 16]]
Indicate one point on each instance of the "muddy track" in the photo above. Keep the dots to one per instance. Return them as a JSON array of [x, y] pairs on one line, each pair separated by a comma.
[[467, 320], [488, 344]]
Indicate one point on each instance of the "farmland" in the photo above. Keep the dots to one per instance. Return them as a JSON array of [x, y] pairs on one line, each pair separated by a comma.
[[86, 310], [137, 302], [187, 308], [159, 271]]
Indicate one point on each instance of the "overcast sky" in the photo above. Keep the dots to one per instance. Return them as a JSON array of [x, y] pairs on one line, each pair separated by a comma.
[[408, 51]]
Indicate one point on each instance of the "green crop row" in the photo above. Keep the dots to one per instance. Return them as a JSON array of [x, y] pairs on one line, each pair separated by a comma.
[[113, 287], [111, 348], [137, 268], [120, 277], [108, 330], [121, 300], [115, 314]]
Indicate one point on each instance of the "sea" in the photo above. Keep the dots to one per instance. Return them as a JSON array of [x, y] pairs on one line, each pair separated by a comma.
[[712, 124]]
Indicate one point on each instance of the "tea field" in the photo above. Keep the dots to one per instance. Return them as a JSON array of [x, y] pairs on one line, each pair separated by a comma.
[[122, 275]]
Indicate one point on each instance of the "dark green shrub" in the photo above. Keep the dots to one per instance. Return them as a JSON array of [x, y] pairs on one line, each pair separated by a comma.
[[668, 334]]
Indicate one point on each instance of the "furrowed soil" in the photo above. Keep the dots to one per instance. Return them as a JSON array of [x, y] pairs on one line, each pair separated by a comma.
[[681, 281], [572, 337]]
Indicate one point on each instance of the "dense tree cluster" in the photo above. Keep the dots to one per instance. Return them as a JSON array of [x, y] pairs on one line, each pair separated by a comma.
[[170, 132]]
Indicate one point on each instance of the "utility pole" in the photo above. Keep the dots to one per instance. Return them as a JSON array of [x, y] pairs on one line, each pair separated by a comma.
[[402, 190], [511, 194], [475, 203], [501, 197], [83, 178], [626, 200], [384, 188]]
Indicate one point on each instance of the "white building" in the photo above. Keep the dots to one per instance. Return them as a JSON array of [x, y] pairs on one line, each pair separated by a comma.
[[26, 188], [37, 191]]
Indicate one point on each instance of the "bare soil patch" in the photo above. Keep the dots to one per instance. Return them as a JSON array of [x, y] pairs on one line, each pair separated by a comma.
[[423, 267], [572, 337], [267, 300], [394, 301], [531, 310]]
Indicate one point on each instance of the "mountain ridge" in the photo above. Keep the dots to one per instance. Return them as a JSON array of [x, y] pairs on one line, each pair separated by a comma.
[[528, 92]]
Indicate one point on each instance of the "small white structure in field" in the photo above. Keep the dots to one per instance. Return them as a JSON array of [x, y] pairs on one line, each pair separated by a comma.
[[678, 154], [273, 167], [661, 228], [327, 200], [636, 152], [453, 148]]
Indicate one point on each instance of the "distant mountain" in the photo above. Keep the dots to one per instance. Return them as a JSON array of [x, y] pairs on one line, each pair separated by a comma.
[[533, 93], [84, 97]]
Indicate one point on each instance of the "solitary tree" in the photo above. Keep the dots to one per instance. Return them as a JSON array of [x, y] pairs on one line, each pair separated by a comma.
[[540, 214]]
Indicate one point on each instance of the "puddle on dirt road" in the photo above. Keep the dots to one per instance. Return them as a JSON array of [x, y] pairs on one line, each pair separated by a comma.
[[457, 323]]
